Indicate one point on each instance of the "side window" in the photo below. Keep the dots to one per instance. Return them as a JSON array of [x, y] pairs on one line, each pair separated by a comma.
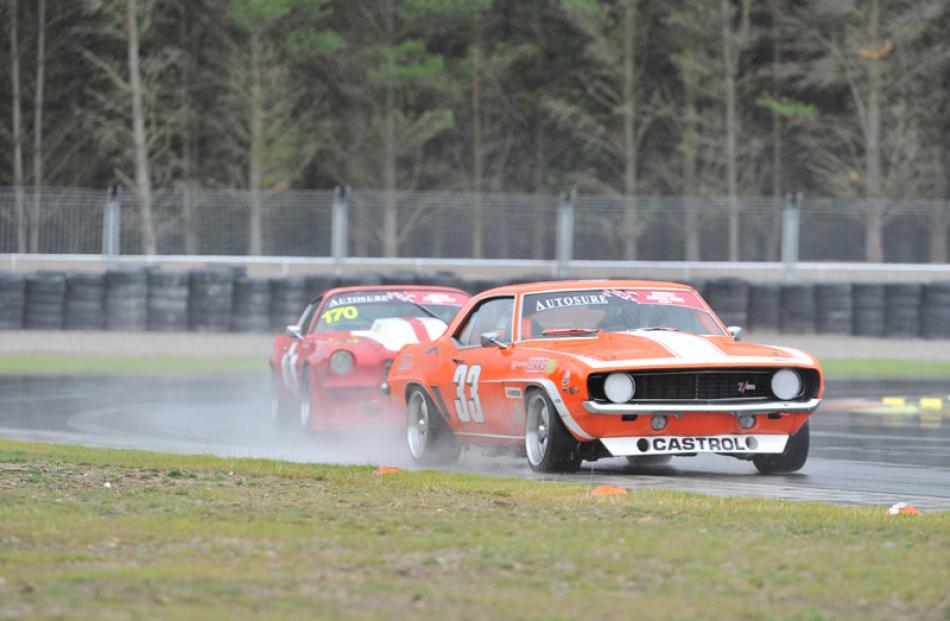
[[494, 315], [306, 321]]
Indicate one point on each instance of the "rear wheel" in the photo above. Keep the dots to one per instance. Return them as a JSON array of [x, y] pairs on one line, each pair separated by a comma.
[[430, 440], [789, 460], [548, 443]]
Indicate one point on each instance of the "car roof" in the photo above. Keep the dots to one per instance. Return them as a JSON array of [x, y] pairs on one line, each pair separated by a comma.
[[548, 285], [337, 290]]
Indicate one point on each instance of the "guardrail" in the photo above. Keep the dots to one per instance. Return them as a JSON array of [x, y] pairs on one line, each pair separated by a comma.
[[490, 268]]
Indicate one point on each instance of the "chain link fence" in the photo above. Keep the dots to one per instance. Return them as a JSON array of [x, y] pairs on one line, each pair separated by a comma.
[[459, 225]]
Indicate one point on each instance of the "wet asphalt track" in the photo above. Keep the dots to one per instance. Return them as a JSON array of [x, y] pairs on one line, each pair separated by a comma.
[[855, 458]]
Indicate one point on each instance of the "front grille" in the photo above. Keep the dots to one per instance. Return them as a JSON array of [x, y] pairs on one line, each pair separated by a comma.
[[740, 385]]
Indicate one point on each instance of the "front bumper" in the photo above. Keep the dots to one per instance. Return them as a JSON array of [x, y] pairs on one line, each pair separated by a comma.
[[750, 444], [771, 407]]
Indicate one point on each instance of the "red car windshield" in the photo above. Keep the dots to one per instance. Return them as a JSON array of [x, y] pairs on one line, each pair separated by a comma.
[[358, 310], [559, 314]]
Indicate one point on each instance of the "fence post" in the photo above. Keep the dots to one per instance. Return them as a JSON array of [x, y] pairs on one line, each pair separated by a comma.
[[790, 234], [338, 228], [564, 235], [111, 224]]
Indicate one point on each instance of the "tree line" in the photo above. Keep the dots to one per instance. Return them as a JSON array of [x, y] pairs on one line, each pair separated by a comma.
[[726, 98]]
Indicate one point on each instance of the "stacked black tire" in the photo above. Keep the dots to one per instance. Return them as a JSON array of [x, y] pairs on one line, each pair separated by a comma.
[[211, 295], [798, 308], [833, 308], [935, 311], [902, 309], [12, 300], [45, 294], [868, 309], [85, 301], [289, 297], [729, 297], [168, 294], [251, 312], [126, 299], [764, 307]]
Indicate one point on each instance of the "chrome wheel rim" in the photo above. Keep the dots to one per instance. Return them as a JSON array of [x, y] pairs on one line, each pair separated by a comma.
[[417, 424], [305, 406], [537, 429]]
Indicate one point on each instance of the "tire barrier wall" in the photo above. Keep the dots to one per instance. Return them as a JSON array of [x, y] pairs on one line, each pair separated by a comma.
[[226, 300], [126, 299], [12, 300]]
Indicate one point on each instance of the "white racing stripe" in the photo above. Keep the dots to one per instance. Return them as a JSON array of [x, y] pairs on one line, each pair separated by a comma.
[[671, 445], [394, 332], [689, 350], [687, 347]]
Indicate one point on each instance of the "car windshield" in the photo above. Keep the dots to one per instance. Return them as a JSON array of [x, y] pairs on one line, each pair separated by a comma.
[[559, 314], [350, 311]]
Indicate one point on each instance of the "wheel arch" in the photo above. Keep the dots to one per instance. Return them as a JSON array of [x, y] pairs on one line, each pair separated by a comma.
[[547, 387]]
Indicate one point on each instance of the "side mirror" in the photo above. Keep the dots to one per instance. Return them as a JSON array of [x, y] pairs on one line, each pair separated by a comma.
[[736, 332], [294, 331], [488, 339]]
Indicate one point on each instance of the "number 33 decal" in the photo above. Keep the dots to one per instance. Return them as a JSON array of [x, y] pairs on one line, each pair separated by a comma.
[[468, 409]]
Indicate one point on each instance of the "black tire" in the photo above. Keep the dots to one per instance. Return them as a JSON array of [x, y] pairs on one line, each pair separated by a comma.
[[649, 460], [791, 459], [428, 438], [550, 447]]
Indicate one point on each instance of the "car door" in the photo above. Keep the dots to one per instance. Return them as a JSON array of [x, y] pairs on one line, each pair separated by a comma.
[[471, 382], [298, 346]]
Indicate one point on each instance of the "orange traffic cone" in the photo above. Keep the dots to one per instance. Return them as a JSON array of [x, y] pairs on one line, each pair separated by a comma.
[[385, 470], [903, 508], [606, 490]]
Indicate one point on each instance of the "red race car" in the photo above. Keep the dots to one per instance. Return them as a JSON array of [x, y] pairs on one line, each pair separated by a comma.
[[580, 370], [327, 369]]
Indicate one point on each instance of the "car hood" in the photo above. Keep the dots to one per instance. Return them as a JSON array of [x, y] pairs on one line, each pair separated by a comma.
[[663, 348]]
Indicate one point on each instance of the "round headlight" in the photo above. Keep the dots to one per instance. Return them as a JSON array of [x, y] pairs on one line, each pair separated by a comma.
[[341, 362], [619, 387], [786, 384]]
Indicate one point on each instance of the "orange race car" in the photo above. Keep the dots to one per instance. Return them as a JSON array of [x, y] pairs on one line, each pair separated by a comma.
[[582, 370]]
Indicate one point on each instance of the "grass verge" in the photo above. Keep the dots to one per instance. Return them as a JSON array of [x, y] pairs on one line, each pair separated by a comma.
[[883, 367], [119, 365], [125, 365], [176, 537]]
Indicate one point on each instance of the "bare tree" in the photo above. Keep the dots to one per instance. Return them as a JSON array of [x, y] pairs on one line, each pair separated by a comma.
[[875, 51], [611, 118], [12, 30], [143, 182], [38, 124], [733, 41]]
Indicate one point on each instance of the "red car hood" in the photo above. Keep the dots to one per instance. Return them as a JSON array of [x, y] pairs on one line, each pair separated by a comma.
[[663, 348]]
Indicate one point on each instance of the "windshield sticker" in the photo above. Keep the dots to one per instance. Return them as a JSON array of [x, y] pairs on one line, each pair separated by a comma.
[[389, 296], [570, 300], [622, 294], [665, 297], [334, 315], [360, 298]]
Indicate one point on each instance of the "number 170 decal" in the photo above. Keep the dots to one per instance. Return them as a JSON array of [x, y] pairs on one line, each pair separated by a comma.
[[468, 409]]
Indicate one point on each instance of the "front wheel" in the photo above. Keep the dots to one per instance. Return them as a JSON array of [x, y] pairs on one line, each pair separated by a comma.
[[789, 460], [548, 443], [430, 440]]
